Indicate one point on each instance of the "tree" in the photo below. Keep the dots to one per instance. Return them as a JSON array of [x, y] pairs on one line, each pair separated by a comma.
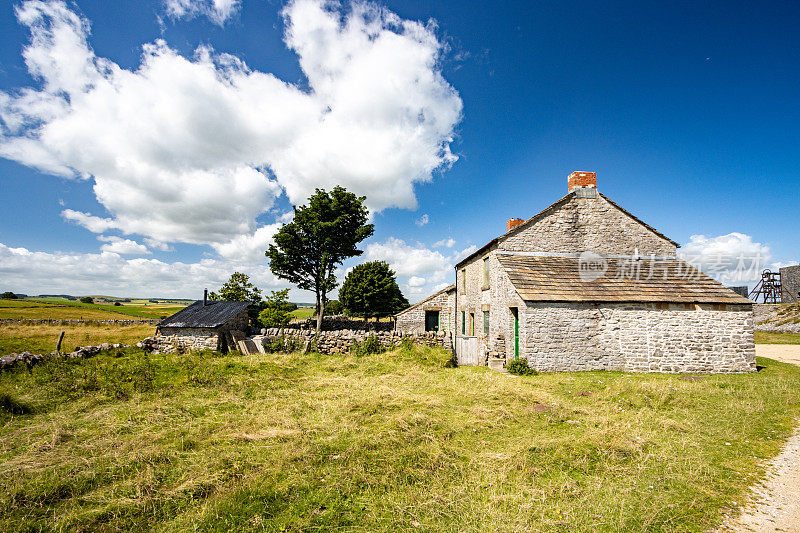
[[322, 234], [238, 289], [276, 310], [87, 300], [370, 290], [334, 307], [8, 296]]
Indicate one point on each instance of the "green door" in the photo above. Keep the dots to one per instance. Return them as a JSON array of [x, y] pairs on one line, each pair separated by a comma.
[[516, 332]]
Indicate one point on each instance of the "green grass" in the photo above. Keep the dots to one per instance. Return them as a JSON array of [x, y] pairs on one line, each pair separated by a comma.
[[392, 442], [42, 338], [59, 308], [303, 312], [775, 337]]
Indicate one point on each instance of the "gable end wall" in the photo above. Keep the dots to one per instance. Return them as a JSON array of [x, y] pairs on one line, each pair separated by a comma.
[[587, 224]]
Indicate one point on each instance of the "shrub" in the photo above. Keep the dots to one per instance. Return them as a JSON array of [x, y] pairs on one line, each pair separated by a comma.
[[370, 345], [8, 296], [283, 344], [118, 304], [520, 367], [87, 300]]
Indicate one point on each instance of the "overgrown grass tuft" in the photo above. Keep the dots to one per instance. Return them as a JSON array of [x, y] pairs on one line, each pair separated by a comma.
[[776, 337], [393, 441]]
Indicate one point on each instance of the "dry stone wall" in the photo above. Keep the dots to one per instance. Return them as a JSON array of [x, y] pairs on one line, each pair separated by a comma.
[[342, 340], [639, 338], [190, 339]]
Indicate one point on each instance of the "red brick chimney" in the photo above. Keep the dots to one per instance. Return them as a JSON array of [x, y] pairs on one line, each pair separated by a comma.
[[513, 223], [578, 178]]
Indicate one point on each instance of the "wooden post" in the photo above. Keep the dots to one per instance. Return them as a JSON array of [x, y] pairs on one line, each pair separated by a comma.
[[58, 344]]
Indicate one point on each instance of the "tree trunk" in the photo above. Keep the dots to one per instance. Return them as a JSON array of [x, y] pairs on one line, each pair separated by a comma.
[[320, 315]]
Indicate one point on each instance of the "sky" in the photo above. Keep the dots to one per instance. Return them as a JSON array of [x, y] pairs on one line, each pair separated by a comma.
[[151, 148]]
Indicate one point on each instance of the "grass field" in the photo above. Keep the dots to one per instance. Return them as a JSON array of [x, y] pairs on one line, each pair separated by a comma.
[[42, 338], [303, 312], [394, 442], [771, 337], [61, 309]]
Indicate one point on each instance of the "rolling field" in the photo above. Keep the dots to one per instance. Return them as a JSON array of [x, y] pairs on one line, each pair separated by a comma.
[[61, 309], [42, 338], [773, 337], [390, 442]]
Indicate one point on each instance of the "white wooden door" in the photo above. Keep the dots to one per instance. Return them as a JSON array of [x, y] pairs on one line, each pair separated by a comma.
[[467, 350]]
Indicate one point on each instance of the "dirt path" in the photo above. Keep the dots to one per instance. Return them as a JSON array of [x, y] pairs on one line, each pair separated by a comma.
[[776, 501]]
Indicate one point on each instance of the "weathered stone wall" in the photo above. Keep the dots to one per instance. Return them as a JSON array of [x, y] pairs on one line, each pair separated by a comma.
[[338, 322], [638, 337], [341, 341], [190, 339], [412, 320], [588, 224], [790, 284]]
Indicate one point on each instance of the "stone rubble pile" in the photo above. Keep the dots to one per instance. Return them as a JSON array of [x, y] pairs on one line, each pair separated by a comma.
[[8, 362]]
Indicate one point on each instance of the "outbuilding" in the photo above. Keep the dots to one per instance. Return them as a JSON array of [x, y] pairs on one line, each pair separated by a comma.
[[203, 325]]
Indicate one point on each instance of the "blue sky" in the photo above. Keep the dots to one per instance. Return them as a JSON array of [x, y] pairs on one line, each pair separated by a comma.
[[131, 180]]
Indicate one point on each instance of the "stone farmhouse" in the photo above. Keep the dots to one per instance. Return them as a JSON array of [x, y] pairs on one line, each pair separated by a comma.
[[204, 325], [434, 313], [585, 285]]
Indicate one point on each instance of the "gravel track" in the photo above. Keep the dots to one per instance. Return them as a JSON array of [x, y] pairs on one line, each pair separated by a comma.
[[774, 502]]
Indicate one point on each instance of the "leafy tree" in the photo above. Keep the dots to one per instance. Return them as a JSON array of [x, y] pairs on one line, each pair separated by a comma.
[[238, 289], [8, 296], [87, 300], [334, 307], [370, 290], [276, 310], [322, 234]]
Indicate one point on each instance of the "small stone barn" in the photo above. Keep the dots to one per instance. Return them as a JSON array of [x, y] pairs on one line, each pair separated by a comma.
[[203, 324], [586, 285], [434, 313]]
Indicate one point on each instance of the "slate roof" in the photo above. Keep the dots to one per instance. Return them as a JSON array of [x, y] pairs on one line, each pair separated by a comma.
[[549, 209], [211, 315], [449, 288], [558, 279]]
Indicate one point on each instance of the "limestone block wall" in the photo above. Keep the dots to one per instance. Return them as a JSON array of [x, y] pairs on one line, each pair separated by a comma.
[[167, 340], [342, 340], [412, 320], [592, 224], [639, 337], [790, 284]]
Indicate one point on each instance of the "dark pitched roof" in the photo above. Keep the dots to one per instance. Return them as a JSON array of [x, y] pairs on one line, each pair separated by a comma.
[[211, 315], [449, 288], [549, 209], [559, 279]]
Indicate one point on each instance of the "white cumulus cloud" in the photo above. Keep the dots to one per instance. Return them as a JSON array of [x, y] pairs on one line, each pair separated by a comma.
[[421, 221], [194, 149], [217, 10], [731, 259], [35, 272], [419, 269], [118, 245]]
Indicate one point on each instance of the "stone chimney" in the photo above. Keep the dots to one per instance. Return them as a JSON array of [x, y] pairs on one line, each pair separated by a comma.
[[205, 297], [582, 180], [513, 223]]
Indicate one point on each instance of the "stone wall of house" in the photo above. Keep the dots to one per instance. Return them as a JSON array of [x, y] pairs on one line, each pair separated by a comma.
[[341, 341], [168, 340], [412, 320], [587, 224], [638, 337], [790, 284]]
